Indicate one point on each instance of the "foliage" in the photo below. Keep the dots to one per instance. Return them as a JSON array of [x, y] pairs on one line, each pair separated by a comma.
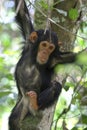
[[73, 14]]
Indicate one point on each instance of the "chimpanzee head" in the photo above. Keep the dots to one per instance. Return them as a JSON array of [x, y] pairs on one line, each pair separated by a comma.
[[46, 44]]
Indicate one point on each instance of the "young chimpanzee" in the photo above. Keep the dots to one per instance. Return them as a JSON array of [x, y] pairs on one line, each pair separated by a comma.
[[34, 70], [34, 76]]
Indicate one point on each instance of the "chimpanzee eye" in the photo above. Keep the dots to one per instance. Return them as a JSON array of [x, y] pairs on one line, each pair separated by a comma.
[[51, 47], [44, 44]]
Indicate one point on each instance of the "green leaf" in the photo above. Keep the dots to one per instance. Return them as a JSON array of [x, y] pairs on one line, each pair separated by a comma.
[[43, 4], [73, 14]]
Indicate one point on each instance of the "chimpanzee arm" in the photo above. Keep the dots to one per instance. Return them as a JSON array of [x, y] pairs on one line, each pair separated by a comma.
[[23, 18], [64, 57], [49, 95]]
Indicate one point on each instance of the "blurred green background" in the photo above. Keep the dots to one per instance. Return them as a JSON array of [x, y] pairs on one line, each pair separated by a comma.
[[9, 54], [10, 49]]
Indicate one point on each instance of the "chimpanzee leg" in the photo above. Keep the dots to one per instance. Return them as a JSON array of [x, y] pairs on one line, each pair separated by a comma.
[[49, 95], [18, 113]]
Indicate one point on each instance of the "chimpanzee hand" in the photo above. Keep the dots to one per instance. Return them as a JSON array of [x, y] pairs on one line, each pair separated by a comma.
[[33, 99]]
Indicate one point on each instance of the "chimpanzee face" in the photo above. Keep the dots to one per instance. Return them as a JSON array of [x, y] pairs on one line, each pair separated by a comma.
[[44, 51], [45, 46]]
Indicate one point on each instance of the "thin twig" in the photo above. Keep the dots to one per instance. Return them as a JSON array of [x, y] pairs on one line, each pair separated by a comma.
[[80, 1], [18, 7]]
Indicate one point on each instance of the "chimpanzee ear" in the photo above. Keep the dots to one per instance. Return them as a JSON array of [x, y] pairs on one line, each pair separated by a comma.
[[33, 37], [60, 43]]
